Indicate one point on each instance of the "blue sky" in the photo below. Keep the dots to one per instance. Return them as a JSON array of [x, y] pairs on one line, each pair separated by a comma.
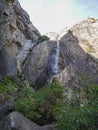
[[54, 15]]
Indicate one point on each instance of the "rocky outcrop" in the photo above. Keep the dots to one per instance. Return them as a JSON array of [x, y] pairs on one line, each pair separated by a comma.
[[17, 37], [38, 68], [15, 121], [79, 57], [78, 61]]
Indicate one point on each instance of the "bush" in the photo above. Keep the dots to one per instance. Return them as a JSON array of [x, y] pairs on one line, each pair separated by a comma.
[[51, 104], [27, 107], [7, 85], [39, 106], [80, 112], [43, 38]]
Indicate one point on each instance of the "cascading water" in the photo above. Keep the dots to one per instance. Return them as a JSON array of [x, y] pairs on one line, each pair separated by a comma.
[[53, 67], [56, 60]]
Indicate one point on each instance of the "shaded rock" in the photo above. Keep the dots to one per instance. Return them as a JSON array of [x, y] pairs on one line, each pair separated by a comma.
[[41, 65], [6, 108], [15, 121], [48, 127], [35, 68]]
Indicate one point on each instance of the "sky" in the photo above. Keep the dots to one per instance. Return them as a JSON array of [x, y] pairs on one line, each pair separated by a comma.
[[55, 15]]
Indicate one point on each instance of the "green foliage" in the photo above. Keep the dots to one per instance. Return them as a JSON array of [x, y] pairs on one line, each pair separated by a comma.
[[51, 104], [39, 106], [26, 92], [27, 107], [7, 85], [42, 38], [84, 79], [80, 112]]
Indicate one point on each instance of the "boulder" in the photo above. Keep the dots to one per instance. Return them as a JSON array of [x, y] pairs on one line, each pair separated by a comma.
[[6, 108], [15, 121]]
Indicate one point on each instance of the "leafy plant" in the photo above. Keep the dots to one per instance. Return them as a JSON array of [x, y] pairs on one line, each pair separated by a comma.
[[80, 112], [39, 106], [43, 38], [8, 85]]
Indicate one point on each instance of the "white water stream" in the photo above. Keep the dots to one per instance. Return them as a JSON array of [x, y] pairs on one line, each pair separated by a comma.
[[56, 59]]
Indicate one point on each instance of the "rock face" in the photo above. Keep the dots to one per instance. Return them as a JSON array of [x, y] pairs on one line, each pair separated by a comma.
[[15, 121], [79, 54], [78, 61], [17, 37], [40, 65], [6, 108], [19, 52]]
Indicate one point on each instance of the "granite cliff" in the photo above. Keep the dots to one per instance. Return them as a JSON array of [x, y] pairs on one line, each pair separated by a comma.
[[79, 56], [17, 37]]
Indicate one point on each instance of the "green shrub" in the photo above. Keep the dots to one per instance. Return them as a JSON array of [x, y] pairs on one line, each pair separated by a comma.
[[26, 92], [51, 104], [80, 112], [8, 85], [39, 106], [42, 38], [27, 107]]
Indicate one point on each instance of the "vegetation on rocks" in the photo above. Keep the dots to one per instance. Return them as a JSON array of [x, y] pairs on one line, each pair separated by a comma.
[[40, 105], [7, 86], [51, 104], [80, 112]]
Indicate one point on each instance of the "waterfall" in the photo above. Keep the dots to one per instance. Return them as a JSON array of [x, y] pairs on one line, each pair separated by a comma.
[[53, 61], [56, 59]]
